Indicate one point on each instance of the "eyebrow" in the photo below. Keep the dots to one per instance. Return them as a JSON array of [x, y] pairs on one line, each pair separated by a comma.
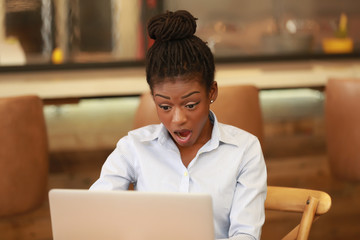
[[188, 95], [183, 97], [159, 95]]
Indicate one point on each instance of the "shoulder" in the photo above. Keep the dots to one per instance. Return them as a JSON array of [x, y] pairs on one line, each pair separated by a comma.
[[138, 137], [146, 133], [236, 136]]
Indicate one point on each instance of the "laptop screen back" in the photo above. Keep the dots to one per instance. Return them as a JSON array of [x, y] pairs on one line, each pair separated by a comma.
[[130, 215]]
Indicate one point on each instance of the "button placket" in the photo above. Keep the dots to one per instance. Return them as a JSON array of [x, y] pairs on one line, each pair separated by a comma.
[[185, 181]]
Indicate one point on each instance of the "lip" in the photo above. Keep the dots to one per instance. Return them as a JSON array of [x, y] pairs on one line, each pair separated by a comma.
[[183, 136]]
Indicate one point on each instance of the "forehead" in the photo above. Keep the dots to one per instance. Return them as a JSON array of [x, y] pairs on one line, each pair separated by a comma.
[[179, 84]]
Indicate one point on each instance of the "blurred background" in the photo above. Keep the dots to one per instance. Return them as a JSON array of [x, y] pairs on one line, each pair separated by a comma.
[[85, 60], [114, 30]]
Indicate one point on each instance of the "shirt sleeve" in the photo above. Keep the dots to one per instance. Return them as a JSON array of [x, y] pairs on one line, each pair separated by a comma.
[[248, 210], [239, 237], [118, 170]]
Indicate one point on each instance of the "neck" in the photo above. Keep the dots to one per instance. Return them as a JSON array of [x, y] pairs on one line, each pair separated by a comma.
[[189, 153]]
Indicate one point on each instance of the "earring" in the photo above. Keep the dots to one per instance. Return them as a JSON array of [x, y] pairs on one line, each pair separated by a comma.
[[211, 101]]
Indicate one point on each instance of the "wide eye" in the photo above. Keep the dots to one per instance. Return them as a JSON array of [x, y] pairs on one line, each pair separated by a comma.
[[164, 107], [191, 105]]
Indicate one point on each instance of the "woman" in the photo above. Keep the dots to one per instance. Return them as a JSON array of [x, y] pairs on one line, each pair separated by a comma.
[[190, 151]]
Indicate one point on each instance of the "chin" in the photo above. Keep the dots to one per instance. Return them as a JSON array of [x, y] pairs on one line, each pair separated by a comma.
[[186, 144]]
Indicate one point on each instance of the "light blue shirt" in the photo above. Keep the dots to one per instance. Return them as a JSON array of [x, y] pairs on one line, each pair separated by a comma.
[[230, 167]]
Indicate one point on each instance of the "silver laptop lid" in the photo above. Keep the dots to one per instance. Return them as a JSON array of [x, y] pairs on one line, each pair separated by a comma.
[[130, 215]]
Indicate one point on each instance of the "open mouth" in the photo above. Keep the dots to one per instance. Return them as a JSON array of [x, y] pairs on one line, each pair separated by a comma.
[[183, 136]]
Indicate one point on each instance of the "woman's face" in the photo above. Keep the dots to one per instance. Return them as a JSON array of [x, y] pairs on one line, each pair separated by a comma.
[[183, 107]]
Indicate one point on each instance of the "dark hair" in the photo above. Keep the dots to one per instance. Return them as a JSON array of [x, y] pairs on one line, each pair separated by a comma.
[[176, 50]]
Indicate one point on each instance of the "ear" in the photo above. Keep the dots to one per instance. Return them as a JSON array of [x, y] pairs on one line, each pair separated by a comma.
[[213, 93]]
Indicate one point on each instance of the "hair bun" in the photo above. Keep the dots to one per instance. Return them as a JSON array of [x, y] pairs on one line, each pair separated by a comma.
[[172, 26]]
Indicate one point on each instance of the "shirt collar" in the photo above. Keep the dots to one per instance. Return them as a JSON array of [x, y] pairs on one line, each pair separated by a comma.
[[218, 135], [157, 132]]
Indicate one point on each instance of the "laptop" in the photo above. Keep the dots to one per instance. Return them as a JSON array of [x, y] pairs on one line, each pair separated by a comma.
[[130, 215]]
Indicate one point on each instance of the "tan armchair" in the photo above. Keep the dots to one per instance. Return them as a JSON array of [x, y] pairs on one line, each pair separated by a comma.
[[23, 154], [239, 105], [146, 111], [342, 116]]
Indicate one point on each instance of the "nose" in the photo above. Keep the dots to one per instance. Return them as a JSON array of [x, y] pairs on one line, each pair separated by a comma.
[[179, 116]]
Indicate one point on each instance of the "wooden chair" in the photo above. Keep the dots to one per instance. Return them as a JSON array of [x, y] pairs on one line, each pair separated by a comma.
[[342, 118], [236, 105], [23, 154], [311, 203]]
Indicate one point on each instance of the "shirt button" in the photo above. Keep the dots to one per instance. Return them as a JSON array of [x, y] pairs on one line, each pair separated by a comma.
[[185, 174]]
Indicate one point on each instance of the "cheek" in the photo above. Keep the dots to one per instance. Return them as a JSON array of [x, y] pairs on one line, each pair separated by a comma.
[[200, 118], [163, 117]]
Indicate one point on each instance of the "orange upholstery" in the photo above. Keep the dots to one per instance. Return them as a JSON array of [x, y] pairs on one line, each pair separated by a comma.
[[239, 105], [23, 154], [146, 112], [342, 115], [236, 105]]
